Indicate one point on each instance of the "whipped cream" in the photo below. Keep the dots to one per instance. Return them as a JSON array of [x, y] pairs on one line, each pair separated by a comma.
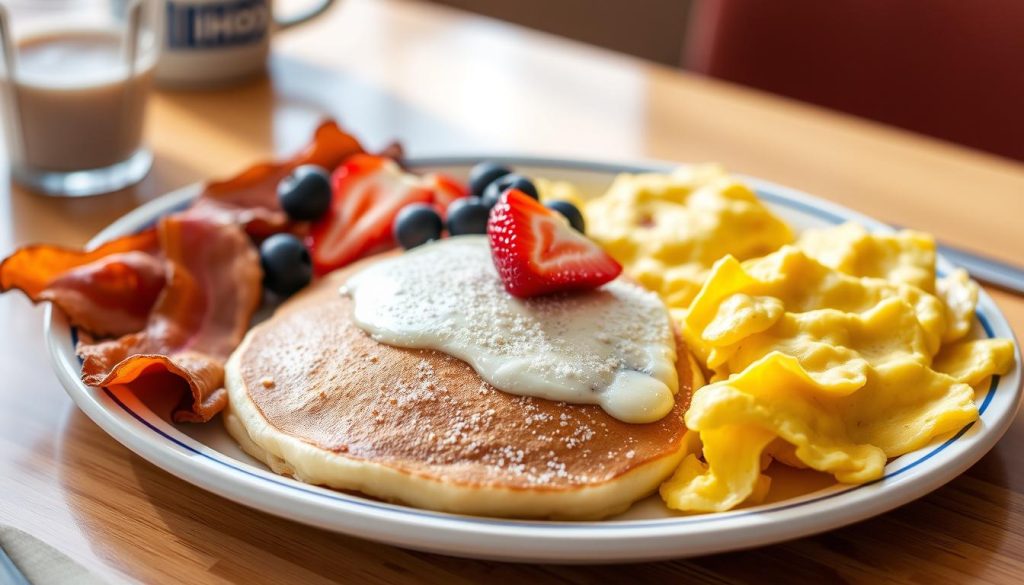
[[612, 346]]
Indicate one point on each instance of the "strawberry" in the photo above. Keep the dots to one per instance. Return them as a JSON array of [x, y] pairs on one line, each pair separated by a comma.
[[446, 190], [537, 252], [368, 192]]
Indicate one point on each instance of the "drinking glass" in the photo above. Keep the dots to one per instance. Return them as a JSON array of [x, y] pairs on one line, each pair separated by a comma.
[[74, 80]]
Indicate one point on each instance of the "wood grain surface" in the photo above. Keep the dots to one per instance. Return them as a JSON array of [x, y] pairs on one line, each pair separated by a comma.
[[446, 83]]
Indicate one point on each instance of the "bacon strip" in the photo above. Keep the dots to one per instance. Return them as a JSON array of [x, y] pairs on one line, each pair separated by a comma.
[[107, 291], [176, 299], [250, 198], [212, 292]]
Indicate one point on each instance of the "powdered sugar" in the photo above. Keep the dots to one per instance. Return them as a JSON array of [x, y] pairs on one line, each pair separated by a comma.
[[549, 442]]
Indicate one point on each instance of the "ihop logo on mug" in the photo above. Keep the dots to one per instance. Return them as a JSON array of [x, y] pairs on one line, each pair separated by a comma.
[[217, 24], [209, 43]]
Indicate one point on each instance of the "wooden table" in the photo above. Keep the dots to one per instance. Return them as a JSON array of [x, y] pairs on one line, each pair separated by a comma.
[[446, 82]]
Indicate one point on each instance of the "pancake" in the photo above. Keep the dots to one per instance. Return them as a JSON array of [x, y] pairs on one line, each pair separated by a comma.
[[315, 398]]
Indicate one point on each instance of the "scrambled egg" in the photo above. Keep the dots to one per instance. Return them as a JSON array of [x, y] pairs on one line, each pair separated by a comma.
[[668, 230], [906, 256], [837, 351], [822, 368]]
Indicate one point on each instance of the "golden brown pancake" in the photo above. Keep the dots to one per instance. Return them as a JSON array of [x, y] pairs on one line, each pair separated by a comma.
[[316, 398]]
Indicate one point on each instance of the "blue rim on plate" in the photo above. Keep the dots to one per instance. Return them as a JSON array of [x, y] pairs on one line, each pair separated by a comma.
[[293, 484]]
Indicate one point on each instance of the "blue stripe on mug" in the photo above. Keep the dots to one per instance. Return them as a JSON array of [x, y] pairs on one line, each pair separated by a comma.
[[212, 25]]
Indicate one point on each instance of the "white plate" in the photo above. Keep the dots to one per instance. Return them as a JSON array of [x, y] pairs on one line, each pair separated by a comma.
[[207, 457]]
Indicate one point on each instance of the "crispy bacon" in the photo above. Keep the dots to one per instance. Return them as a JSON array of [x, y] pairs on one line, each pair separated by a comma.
[[213, 289], [395, 151], [107, 291], [176, 299], [250, 198]]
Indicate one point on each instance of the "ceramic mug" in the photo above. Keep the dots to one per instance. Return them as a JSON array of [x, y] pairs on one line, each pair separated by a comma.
[[217, 42]]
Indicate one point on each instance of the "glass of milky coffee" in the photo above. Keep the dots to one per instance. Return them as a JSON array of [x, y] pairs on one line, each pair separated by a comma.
[[74, 79]]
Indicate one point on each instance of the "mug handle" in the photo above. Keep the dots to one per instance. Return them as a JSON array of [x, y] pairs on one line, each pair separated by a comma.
[[283, 23]]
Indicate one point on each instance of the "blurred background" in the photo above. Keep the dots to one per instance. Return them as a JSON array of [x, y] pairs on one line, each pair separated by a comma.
[[951, 69]]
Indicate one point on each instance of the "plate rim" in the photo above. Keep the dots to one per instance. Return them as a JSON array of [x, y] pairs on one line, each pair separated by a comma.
[[540, 540]]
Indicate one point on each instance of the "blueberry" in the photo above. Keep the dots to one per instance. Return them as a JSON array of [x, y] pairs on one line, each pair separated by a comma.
[[467, 216], [417, 224], [286, 264], [570, 212], [484, 174], [305, 194], [493, 191]]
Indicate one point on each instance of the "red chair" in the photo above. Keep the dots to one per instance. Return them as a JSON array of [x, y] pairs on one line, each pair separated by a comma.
[[953, 69]]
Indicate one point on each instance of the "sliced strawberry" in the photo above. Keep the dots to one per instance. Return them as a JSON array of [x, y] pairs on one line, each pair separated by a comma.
[[536, 252], [368, 191], [446, 190]]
